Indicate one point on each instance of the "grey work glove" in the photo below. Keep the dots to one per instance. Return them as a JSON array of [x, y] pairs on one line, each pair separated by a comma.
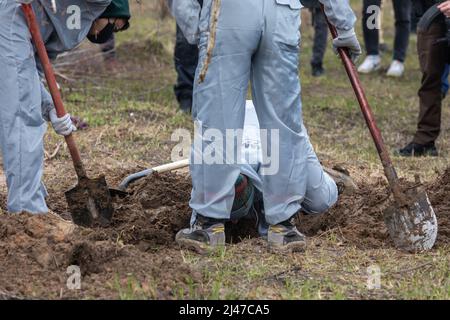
[[62, 126], [347, 39]]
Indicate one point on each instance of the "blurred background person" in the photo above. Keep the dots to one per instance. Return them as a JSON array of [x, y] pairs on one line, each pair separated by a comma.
[[109, 52], [371, 30], [185, 60], [320, 25], [383, 45], [434, 57]]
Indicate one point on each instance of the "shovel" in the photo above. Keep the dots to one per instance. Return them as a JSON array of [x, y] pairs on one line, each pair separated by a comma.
[[145, 173], [410, 219], [90, 201]]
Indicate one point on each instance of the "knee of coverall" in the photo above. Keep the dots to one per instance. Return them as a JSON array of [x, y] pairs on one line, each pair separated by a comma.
[[321, 193]]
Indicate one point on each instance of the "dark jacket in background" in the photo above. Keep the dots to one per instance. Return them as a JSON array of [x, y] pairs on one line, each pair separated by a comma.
[[433, 58], [421, 6]]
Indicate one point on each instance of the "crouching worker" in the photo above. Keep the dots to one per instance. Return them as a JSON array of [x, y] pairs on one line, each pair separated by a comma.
[[320, 195], [256, 41], [25, 104]]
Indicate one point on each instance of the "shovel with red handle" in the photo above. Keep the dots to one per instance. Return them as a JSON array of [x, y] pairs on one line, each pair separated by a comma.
[[90, 200], [410, 219]]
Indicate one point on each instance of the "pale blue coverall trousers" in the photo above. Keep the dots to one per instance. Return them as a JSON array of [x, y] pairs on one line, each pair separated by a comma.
[[24, 102], [257, 41]]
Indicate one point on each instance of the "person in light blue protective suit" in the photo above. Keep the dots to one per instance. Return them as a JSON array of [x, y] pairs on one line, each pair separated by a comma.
[[257, 41], [25, 104]]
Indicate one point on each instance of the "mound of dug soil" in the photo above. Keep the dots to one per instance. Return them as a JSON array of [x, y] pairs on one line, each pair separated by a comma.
[[439, 193], [358, 218], [35, 251], [159, 208]]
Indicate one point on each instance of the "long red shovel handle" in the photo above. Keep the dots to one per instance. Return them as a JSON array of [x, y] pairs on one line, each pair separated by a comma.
[[51, 81], [389, 169]]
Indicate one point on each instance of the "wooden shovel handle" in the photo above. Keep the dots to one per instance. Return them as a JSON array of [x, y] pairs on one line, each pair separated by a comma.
[[389, 169], [51, 81], [171, 166]]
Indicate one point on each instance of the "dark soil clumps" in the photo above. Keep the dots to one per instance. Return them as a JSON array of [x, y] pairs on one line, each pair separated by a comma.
[[35, 251]]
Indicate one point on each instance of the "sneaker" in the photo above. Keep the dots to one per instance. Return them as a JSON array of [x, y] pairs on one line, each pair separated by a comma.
[[418, 150], [285, 237], [205, 234], [371, 64], [396, 69], [317, 70]]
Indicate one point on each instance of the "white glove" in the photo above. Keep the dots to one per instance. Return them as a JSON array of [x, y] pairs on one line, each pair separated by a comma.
[[62, 126], [348, 40]]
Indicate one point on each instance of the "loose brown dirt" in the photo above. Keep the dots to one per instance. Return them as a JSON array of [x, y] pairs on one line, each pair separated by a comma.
[[439, 193], [35, 251]]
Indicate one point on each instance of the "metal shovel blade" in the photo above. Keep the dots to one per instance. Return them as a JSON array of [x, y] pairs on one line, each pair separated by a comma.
[[413, 228], [90, 203]]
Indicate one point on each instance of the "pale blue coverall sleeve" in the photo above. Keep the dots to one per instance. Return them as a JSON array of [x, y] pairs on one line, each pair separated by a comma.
[[340, 14], [257, 41], [187, 14], [23, 98]]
